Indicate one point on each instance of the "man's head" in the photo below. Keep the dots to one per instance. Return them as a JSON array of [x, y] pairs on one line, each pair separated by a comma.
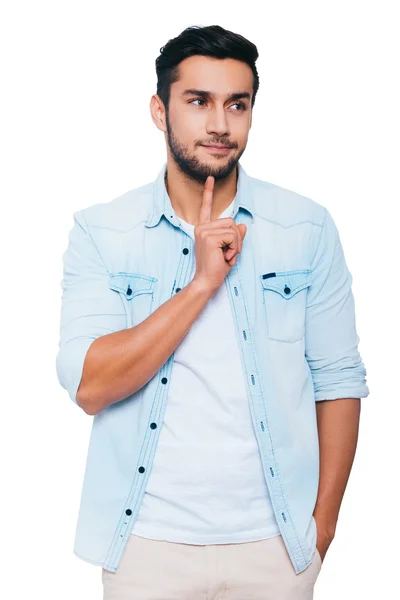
[[206, 88]]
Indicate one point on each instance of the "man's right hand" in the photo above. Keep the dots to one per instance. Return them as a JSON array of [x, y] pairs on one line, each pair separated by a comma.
[[216, 243]]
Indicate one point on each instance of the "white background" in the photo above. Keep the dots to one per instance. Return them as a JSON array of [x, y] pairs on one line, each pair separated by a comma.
[[77, 78]]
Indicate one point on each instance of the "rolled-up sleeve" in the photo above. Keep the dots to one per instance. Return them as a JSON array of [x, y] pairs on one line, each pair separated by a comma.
[[89, 309], [331, 339]]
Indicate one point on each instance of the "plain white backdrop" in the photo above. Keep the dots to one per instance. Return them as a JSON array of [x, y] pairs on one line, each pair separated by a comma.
[[77, 78]]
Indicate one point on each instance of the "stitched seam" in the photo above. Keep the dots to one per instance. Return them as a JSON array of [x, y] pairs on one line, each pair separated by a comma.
[[90, 235], [320, 237], [288, 226]]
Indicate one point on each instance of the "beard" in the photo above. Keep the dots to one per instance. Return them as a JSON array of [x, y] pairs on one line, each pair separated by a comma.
[[191, 167]]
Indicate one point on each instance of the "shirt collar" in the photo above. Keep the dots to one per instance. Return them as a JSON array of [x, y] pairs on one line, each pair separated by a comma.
[[162, 203]]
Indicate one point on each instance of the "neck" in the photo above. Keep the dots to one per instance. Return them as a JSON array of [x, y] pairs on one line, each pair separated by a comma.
[[186, 195]]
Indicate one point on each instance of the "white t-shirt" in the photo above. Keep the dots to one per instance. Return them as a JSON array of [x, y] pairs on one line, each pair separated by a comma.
[[207, 484]]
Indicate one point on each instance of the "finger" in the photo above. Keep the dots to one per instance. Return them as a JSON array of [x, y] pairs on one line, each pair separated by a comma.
[[234, 235], [205, 208], [243, 229], [226, 222], [223, 222], [227, 238], [236, 229], [231, 223], [242, 232], [239, 240], [227, 234], [230, 254]]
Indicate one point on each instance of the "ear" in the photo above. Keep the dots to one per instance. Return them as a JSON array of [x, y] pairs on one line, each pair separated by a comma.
[[157, 111]]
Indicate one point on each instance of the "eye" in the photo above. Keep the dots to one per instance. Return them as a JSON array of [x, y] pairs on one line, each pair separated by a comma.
[[241, 105], [196, 100]]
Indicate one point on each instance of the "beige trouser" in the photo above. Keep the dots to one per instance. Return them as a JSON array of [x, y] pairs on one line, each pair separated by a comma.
[[160, 570]]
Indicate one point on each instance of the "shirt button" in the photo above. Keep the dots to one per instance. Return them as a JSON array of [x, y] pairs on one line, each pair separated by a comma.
[[178, 289], [128, 511], [153, 425], [141, 469], [129, 291], [164, 380], [287, 290], [185, 251]]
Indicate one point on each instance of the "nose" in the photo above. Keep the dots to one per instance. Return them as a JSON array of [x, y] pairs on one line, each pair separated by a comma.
[[217, 122]]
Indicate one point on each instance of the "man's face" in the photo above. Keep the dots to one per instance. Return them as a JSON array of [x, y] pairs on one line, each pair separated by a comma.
[[195, 120]]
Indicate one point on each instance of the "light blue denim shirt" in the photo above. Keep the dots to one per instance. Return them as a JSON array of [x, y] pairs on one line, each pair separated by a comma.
[[293, 307]]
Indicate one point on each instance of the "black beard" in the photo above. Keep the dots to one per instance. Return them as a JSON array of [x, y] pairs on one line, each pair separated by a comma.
[[191, 167]]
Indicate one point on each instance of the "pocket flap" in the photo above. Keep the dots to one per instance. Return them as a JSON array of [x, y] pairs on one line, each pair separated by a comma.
[[131, 284], [286, 283]]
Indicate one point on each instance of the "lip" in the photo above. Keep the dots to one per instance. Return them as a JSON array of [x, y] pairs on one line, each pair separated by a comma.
[[218, 149]]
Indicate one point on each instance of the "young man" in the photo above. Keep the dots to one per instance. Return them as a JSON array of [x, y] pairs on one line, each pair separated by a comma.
[[208, 325]]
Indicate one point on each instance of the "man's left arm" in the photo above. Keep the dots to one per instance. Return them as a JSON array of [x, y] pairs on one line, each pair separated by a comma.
[[338, 373], [338, 423]]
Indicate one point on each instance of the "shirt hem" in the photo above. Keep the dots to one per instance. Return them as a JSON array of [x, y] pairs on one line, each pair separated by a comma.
[[186, 539]]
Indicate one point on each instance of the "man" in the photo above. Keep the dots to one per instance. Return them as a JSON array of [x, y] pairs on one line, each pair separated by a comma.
[[208, 326]]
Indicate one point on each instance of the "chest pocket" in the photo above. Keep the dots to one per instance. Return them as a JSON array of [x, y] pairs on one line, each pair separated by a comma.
[[284, 296], [137, 293]]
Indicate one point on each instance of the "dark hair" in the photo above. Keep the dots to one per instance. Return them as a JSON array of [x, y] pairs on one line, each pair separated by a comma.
[[211, 40]]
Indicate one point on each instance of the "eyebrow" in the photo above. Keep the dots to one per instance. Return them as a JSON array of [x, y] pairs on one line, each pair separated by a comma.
[[206, 94]]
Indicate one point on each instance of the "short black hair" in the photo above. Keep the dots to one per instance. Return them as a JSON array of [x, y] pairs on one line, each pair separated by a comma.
[[211, 40]]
